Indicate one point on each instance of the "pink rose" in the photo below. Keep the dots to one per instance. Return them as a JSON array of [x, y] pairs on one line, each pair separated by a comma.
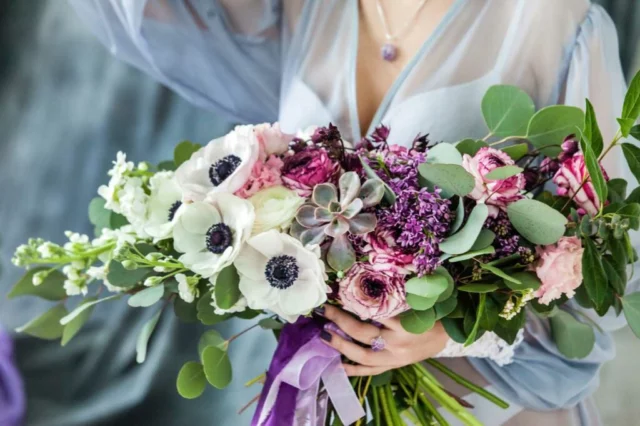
[[497, 194], [372, 294], [559, 268], [271, 139], [263, 175], [385, 255], [306, 169], [569, 179]]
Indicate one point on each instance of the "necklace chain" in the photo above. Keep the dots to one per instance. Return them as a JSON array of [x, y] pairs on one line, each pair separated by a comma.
[[383, 18]]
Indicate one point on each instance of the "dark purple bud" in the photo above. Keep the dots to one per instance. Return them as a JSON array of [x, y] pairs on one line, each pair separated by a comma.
[[570, 146], [549, 166], [531, 178], [381, 133]]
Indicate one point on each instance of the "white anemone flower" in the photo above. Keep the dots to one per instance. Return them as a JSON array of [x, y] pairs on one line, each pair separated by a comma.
[[279, 274], [164, 206], [211, 233], [224, 165]]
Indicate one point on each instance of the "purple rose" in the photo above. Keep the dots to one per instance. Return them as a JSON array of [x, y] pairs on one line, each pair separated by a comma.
[[306, 169]]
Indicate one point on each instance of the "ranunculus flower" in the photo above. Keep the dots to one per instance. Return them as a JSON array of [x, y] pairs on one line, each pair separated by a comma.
[[385, 255], [223, 165], [372, 294], [279, 274], [275, 208], [263, 175], [497, 194], [559, 268], [306, 169], [271, 139], [569, 180]]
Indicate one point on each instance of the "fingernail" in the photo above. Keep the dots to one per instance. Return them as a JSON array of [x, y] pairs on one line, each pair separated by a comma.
[[324, 335], [331, 326], [319, 310]]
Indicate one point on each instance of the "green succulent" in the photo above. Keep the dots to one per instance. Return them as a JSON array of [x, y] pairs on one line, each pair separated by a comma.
[[327, 216]]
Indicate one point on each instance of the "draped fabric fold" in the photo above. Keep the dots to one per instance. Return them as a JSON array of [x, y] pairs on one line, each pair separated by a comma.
[[12, 398]]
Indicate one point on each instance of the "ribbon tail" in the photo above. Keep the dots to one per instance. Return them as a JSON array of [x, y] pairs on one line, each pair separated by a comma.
[[344, 399]]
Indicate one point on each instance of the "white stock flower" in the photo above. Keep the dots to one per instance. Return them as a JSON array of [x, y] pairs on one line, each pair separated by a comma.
[[223, 165], [164, 204], [121, 236], [110, 192], [75, 283], [99, 273], [275, 208], [133, 204], [210, 233], [279, 274], [187, 287]]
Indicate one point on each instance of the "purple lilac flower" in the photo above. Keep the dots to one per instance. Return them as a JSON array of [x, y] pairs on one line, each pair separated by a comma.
[[507, 241]]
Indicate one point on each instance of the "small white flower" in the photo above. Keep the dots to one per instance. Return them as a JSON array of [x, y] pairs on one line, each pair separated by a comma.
[[164, 205], [122, 236], [224, 165], [210, 233], [133, 204], [279, 274], [75, 287], [47, 250], [187, 287], [111, 191], [275, 208]]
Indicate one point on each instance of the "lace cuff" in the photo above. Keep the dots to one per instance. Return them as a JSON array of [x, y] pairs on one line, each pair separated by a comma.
[[488, 346]]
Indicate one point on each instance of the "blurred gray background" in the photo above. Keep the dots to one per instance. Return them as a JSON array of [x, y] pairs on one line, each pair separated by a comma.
[[66, 108]]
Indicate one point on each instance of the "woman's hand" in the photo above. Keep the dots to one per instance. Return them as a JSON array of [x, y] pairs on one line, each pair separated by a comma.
[[400, 347]]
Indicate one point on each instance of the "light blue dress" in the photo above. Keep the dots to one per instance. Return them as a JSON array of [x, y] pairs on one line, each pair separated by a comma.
[[294, 61]]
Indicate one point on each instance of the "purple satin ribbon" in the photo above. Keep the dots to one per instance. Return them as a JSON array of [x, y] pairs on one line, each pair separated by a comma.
[[12, 399], [290, 395]]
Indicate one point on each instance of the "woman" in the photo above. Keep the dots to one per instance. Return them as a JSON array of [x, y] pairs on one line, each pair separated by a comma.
[[417, 66]]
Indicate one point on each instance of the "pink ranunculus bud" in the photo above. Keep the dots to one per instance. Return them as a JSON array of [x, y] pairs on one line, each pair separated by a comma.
[[570, 179], [559, 267]]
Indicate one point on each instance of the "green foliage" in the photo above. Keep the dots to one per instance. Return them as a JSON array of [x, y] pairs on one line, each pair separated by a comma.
[[211, 338], [47, 326], [270, 324], [454, 329], [83, 307], [191, 380], [527, 281], [616, 272], [631, 306], [444, 153], [144, 336], [591, 134], [462, 241], [459, 220], [595, 171], [227, 290], [631, 107], [635, 131], [498, 272], [206, 313], [470, 146], [147, 297], [430, 286], [536, 221], [74, 326], [418, 322], [551, 125], [183, 152], [508, 330], [167, 166], [472, 254], [420, 303], [632, 155], [51, 288], [446, 307], [617, 190], [479, 314], [507, 110], [217, 367], [186, 312], [478, 288], [503, 172], [118, 276], [595, 278], [389, 195], [574, 338], [99, 216], [517, 151], [451, 178]]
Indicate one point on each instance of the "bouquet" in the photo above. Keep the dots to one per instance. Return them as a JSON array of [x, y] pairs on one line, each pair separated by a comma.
[[261, 223]]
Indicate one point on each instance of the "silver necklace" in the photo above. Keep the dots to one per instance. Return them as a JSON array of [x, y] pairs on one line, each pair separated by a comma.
[[389, 50]]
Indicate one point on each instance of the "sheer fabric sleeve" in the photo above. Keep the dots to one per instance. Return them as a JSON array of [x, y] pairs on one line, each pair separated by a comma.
[[540, 377], [222, 55]]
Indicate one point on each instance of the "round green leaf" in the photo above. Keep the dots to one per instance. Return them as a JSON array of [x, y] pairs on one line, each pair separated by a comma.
[[418, 322], [52, 288], [484, 240], [462, 241], [446, 307], [227, 289], [211, 338], [191, 380], [444, 153], [536, 221], [516, 151], [503, 172], [167, 166], [631, 307], [74, 326], [451, 178], [574, 338], [206, 313], [551, 125], [507, 110], [470, 146], [123, 278], [438, 285], [99, 216], [147, 297], [454, 329], [183, 152], [47, 326], [217, 367], [420, 303], [478, 288]]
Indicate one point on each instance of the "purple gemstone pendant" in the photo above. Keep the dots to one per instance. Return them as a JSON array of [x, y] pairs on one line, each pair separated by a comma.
[[389, 52]]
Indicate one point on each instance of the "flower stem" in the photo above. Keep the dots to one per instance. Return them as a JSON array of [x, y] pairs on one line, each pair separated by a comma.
[[258, 379]]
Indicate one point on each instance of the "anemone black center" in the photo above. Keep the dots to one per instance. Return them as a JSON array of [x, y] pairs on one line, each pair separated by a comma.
[[282, 271], [218, 238], [372, 287], [223, 168], [173, 209]]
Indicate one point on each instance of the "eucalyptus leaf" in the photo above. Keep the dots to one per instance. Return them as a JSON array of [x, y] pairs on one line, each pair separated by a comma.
[[51, 288], [632, 155], [73, 327], [184, 150], [631, 307], [454, 329], [478, 288], [459, 220], [429, 286], [99, 216], [536, 221], [444, 153], [167, 166], [451, 178], [503, 172], [517, 151], [574, 338], [507, 110], [77, 311], [420, 303], [217, 367], [445, 307], [211, 338], [528, 281], [206, 313], [47, 326], [118, 276], [631, 107], [227, 289], [484, 240], [191, 380], [470, 146], [595, 278], [418, 322], [462, 241], [144, 336], [551, 125], [591, 133], [270, 324], [472, 254], [186, 312], [147, 297], [117, 221]]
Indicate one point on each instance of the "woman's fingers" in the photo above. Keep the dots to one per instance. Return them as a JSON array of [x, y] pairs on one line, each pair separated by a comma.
[[357, 353], [363, 370], [355, 328]]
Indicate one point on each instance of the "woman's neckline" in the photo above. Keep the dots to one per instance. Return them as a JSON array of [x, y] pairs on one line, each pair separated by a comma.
[[381, 110]]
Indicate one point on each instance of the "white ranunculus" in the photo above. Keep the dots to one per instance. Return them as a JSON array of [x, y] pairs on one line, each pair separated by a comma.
[[164, 206], [224, 165], [279, 274], [210, 233], [275, 208]]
